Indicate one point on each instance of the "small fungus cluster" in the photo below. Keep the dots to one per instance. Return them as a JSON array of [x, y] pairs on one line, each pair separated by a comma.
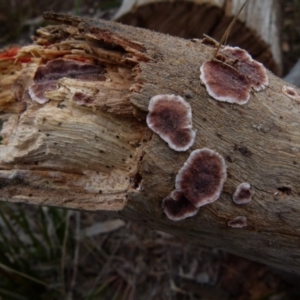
[[238, 222], [177, 207], [170, 116], [199, 182], [290, 92], [243, 194], [232, 75], [202, 177], [46, 77]]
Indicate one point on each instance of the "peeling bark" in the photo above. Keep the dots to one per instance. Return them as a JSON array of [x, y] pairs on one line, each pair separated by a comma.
[[89, 148]]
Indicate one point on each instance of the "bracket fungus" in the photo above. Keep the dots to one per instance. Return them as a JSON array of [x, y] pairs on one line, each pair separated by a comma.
[[202, 177], [170, 116], [46, 77], [177, 207], [238, 222], [243, 194], [232, 75]]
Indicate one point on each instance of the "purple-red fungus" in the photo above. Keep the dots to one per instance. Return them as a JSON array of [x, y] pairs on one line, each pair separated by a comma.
[[290, 92], [46, 77], [243, 194], [59, 68], [177, 207], [224, 83], [202, 177], [37, 91], [242, 61], [232, 76], [83, 99], [238, 222], [236, 53], [170, 116]]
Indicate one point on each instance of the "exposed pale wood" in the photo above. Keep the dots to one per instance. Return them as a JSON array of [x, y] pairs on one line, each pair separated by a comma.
[[257, 29], [102, 156]]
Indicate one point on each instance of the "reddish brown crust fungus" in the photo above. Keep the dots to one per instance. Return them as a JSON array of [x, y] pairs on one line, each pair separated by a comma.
[[83, 99], [290, 92], [238, 222], [202, 177], [46, 77], [177, 207], [254, 71], [236, 54], [231, 77], [243, 194], [224, 83], [59, 68], [170, 116], [37, 90]]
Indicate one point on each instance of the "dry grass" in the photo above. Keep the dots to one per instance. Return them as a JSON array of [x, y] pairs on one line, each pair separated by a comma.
[[52, 253]]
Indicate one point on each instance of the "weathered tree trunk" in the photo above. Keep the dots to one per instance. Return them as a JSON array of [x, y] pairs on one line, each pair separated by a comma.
[[257, 29], [89, 147]]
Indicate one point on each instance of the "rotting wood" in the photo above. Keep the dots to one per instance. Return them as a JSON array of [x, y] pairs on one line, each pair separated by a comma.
[[257, 29], [95, 152]]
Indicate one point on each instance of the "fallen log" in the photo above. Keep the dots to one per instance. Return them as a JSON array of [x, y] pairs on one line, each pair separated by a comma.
[[257, 29], [74, 135]]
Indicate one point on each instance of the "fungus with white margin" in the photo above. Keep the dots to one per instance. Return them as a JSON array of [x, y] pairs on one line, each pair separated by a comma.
[[46, 77], [37, 91], [224, 83], [232, 76], [202, 177], [254, 71], [243, 194], [238, 222], [290, 92], [170, 116], [177, 207]]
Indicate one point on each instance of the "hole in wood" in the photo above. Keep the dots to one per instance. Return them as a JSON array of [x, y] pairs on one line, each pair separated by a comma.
[[285, 190]]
